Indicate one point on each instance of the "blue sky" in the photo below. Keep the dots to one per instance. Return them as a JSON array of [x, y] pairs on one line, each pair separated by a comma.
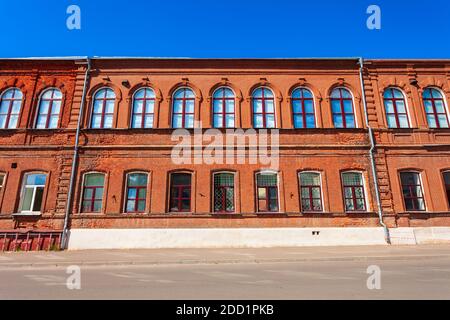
[[228, 29]]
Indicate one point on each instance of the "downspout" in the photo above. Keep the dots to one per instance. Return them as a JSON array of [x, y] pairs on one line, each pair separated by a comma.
[[65, 234], [371, 154]]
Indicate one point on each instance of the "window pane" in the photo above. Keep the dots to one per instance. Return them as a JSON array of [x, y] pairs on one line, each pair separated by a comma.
[[177, 121], [229, 121], [352, 179], [258, 121], [178, 106], [309, 179], [269, 106], [266, 180], [53, 123], [218, 120], [297, 106], [108, 122], [298, 121], [36, 179], [137, 121], [38, 199], [181, 179], [2, 121], [150, 106], [229, 106], [439, 104], [400, 106], [348, 108], [257, 106], [350, 121], [428, 106], [189, 108], [218, 106], [16, 107], [137, 180], [432, 121], [95, 180], [403, 119], [96, 121], [148, 123], [309, 106], [27, 197], [389, 105], [310, 121], [336, 106], [270, 121], [443, 123], [189, 121], [138, 106], [338, 121], [13, 122]]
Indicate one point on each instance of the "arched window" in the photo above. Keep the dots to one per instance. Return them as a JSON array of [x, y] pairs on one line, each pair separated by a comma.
[[353, 189], [412, 191], [103, 109], [180, 192], [223, 192], [303, 108], [223, 108], [395, 106], [342, 108], [435, 109], [267, 192], [49, 109], [32, 194], [310, 191], [143, 108], [183, 108], [263, 102], [136, 192], [93, 188], [10, 104]]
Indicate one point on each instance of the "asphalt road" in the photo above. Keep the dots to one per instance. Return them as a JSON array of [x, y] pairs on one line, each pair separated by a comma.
[[420, 276]]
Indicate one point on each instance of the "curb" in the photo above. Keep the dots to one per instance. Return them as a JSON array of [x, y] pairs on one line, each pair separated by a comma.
[[44, 265]]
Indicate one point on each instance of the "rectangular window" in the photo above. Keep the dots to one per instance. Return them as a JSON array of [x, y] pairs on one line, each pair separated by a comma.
[[354, 196], [32, 193], [447, 185], [136, 192], [412, 191], [93, 193], [180, 192], [267, 192], [223, 192], [310, 190]]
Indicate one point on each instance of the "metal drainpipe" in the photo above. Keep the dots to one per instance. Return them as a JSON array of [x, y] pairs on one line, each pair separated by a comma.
[[371, 152], [65, 233]]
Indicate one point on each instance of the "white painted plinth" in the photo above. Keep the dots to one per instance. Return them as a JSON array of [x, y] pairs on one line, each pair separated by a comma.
[[81, 239]]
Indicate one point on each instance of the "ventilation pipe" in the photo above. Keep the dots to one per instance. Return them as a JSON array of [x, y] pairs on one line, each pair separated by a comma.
[[371, 154], [65, 234]]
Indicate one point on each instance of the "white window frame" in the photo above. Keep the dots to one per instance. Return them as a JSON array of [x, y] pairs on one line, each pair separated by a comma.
[[34, 186]]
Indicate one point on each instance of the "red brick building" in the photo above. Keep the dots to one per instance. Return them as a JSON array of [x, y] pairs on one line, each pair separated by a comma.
[[339, 123]]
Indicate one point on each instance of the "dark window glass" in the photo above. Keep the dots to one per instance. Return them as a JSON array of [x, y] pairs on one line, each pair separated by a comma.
[[224, 192], [267, 192], [180, 192], [447, 185], [412, 191]]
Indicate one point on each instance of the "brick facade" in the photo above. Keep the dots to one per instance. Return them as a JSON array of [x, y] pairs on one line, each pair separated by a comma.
[[120, 150]]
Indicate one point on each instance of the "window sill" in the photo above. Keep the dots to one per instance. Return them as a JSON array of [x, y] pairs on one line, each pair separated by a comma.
[[27, 214]]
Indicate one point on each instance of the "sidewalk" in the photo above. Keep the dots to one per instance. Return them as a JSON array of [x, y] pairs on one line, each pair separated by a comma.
[[217, 256]]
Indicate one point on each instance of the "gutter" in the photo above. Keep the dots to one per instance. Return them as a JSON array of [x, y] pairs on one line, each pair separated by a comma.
[[65, 233], [371, 154]]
